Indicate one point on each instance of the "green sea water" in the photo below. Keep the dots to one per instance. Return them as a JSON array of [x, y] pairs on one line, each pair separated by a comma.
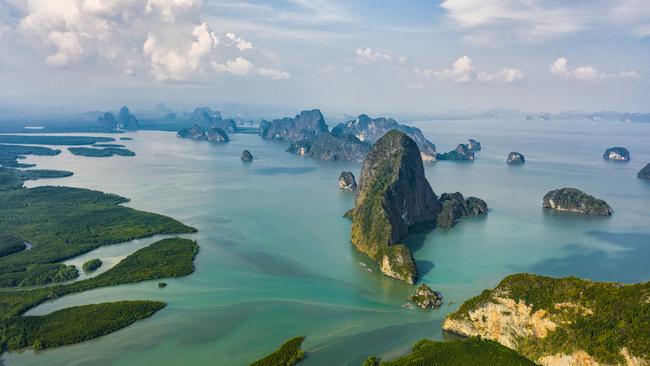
[[276, 260]]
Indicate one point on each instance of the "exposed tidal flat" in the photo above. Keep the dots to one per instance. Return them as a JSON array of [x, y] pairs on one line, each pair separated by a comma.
[[276, 261]]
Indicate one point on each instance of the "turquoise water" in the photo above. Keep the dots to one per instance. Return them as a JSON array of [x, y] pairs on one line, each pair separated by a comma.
[[276, 261]]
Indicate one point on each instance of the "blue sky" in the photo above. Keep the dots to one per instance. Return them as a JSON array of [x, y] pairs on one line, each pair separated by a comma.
[[378, 57]]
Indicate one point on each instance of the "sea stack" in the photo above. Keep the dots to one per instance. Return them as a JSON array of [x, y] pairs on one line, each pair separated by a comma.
[[462, 153], [347, 181], [424, 297], [474, 145], [515, 158], [216, 134], [246, 155], [617, 154], [645, 172], [394, 199], [574, 200]]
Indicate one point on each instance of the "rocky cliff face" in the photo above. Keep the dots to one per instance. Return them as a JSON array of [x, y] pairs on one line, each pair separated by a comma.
[[567, 321], [474, 145], [645, 172], [325, 146], [216, 134], [371, 129], [127, 120], [617, 154], [305, 125], [394, 199], [574, 200]]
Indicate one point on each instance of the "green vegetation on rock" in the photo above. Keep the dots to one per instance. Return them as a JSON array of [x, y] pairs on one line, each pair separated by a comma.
[[394, 199], [288, 354], [91, 265], [575, 200], [100, 153], [472, 351], [73, 325], [598, 318]]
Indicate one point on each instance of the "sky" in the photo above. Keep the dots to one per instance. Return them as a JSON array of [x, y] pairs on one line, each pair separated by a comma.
[[368, 56]]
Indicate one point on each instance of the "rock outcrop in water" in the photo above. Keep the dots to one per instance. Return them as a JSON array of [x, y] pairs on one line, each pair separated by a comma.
[[455, 207], [617, 154], [216, 134], [347, 181], [107, 121], [574, 200], [325, 146], [394, 199], [474, 145], [305, 125], [126, 120], [194, 133], [425, 298], [371, 129], [645, 172], [515, 158], [461, 153], [204, 116], [561, 321], [246, 155]]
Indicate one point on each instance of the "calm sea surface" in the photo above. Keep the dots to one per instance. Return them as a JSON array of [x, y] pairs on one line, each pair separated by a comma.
[[276, 261]]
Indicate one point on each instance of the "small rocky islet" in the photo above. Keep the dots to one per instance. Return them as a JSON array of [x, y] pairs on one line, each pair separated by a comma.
[[616, 154], [575, 200], [246, 155], [425, 298], [645, 172], [515, 158], [347, 181], [462, 152]]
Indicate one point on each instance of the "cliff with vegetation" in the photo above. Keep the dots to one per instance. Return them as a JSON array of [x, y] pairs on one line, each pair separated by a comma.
[[326, 146], [372, 129], [394, 199], [574, 200], [566, 321], [305, 125]]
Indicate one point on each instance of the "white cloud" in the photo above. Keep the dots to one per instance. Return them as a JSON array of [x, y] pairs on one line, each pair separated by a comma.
[[586, 73], [506, 75], [463, 71], [240, 43], [241, 67], [368, 56], [160, 38], [502, 21]]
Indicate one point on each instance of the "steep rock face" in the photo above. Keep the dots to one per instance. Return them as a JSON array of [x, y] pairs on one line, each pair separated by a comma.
[[515, 158], [574, 200], [645, 172], [246, 155], [107, 121], [216, 134], [561, 321], [461, 153], [474, 145], [371, 129], [617, 154], [347, 181], [325, 146], [127, 120], [305, 125], [194, 133], [455, 207], [394, 199], [204, 115]]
